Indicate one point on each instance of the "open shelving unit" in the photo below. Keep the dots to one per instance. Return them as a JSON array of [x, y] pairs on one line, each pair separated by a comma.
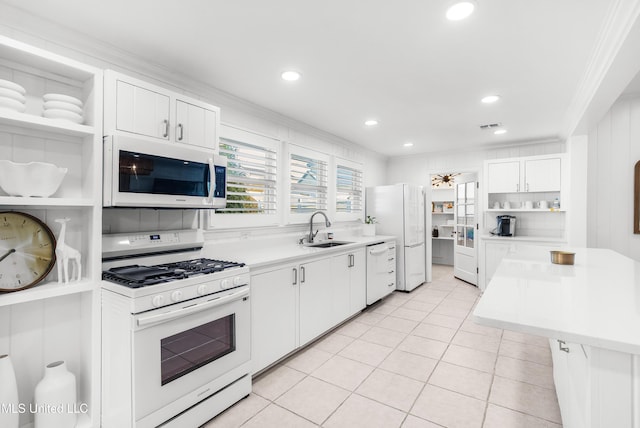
[[54, 321], [442, 215]]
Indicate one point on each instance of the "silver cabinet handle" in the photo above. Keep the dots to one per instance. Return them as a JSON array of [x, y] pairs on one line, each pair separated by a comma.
[[302, 274], [295, 276], [391, 285], [166, 128], [391, 271], [181, 129], [517, 187], [527, 187], [562, 346]]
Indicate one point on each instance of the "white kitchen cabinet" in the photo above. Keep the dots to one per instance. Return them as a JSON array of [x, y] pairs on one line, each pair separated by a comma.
[[137, 107], [348, 273], [503, 176], [533, 178], [494, 253], [316, 299], [596, 387], [358, 282], [141, 111], [536, 174], [274, 297], [341, 287], [51, 321], [195, 125], [295, 303], [542, 175]]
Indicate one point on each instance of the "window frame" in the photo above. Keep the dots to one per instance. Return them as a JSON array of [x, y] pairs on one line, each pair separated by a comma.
[[297, 218], [230, 220], [347, 216]]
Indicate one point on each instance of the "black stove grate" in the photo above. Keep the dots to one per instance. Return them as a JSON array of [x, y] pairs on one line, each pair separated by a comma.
[[136, 276]]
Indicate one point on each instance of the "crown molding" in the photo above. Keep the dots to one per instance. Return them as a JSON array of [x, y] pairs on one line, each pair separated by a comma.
[[64, 41], [609, 70]]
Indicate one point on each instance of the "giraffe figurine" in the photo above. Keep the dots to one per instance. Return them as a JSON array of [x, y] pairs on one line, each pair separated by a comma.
[[65, 253]]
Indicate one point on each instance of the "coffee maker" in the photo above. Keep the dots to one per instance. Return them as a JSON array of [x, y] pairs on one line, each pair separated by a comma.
[[506, 225]]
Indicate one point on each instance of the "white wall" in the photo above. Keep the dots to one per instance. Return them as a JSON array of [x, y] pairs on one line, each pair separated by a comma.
[[614, 148]]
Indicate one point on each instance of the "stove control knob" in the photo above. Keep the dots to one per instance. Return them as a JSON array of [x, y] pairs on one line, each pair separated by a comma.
[[202, 289], [176, 296], [224, 284], [237, 281], [157, 301]]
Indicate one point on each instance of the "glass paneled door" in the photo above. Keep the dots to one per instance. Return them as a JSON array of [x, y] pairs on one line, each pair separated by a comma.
[[465, 254]]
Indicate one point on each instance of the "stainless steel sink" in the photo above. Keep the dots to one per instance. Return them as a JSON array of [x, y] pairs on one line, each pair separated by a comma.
[[328, 244]]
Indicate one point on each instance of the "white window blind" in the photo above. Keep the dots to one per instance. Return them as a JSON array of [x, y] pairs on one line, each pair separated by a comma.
[[308, 182], [348, 188], [251, 178]]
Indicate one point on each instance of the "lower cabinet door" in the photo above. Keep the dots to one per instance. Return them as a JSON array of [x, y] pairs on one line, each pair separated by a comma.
[[341, 287], [358, 278], [316, 299], [273, 309]]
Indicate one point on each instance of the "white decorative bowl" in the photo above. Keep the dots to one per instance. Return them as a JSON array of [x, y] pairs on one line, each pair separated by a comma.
[[30, 179]]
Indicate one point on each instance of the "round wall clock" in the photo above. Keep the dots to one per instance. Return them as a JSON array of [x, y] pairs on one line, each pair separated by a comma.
[[27, 251]]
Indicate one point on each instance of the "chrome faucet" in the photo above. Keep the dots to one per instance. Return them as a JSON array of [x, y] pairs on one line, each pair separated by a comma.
[[326, 222]]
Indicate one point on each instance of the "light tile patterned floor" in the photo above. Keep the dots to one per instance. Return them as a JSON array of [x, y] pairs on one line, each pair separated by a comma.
[[414, 360]]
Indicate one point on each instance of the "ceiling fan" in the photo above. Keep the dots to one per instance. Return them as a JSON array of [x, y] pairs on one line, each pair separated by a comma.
[[443, 180]]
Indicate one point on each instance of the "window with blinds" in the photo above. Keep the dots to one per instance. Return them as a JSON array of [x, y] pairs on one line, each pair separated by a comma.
[[251, 178], [348, 189], [308, 183]]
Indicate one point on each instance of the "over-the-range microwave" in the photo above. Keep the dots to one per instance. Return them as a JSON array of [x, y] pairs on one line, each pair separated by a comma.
[[152, 174]]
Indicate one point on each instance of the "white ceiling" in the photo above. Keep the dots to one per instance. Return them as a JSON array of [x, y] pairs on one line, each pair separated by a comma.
[[400, 61]]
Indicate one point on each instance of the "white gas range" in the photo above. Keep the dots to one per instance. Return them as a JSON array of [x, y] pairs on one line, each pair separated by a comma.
[[176, 331]]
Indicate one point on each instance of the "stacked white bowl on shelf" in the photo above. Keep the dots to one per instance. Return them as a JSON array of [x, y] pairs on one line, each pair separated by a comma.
[[12, 96], [60, 106]]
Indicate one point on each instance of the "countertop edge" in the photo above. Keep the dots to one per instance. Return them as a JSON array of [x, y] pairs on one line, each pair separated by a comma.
[[557, 334], [282, 253]]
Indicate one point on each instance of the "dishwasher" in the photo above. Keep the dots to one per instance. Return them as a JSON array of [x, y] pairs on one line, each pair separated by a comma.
[[381, 270]]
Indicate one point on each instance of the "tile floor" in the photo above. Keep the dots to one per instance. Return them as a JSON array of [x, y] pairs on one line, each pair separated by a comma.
[[414, 360]]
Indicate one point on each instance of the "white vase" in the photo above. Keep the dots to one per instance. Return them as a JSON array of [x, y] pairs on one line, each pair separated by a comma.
[[9, 413], [369, 229], [55, 398]]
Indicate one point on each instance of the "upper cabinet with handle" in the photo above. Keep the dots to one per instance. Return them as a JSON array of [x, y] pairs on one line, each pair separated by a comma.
[[532, 174], [137, 107]]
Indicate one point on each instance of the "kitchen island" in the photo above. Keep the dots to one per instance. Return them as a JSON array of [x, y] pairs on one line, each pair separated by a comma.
[[590, 312]]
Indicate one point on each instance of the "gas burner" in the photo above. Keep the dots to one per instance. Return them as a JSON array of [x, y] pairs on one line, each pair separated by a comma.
[[136, 276]]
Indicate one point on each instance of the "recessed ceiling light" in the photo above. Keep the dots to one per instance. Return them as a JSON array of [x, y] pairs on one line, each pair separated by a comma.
[[291, 75], [500, 131], [408, 144], [490, 99], [460, 10], [371, 122]]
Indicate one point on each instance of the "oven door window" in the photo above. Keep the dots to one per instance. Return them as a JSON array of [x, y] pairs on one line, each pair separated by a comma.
[[143, 173], [186, 351]]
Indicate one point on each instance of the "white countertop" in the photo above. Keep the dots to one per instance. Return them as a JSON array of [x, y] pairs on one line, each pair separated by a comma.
[[262, 252], [594, 302]]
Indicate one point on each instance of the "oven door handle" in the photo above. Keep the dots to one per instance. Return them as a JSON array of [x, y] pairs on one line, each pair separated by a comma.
[[188, 310]]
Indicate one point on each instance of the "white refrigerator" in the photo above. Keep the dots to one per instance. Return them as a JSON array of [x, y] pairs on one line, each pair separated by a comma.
[[399, 211]]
